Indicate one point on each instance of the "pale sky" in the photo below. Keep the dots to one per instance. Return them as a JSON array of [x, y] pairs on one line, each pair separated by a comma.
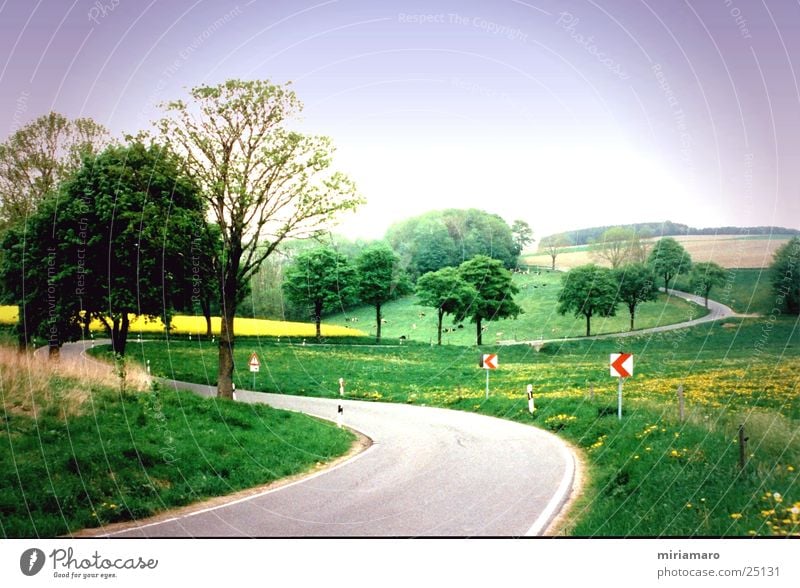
[[563, 114]]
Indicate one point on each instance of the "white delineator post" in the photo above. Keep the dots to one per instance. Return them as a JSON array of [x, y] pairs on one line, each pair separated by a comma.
[[531, 407], [341, 386], [339, 416], [619, 398]]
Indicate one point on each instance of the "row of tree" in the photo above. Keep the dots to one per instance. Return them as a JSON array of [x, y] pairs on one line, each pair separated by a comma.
[[591, 290], [98, 232]]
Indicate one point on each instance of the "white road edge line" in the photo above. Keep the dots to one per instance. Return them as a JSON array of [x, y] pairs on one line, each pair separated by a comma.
[[559, 498]]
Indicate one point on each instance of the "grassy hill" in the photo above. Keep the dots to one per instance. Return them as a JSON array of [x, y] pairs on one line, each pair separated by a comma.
[[730, 251], [537, 297]]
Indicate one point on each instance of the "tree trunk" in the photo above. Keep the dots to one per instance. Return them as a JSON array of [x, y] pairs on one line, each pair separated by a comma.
[[441, 316], [227, 337], [318, 318], [119, 333], [53, 351], [479, 331], [666, 284], [632, 309], [23, 338], [553, 265], [205, 304], [588, 325], [378, 323]]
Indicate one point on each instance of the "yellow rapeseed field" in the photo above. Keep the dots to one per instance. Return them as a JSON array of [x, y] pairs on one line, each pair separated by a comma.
[[192, 325]]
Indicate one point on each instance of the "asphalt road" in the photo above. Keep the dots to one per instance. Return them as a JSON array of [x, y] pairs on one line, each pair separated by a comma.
[[716, 311], [429, 472]]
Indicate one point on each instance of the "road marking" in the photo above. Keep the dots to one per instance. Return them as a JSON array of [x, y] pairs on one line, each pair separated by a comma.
[[560, 496]]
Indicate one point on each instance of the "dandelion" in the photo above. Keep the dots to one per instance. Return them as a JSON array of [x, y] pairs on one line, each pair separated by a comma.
[[789, 468], [688, 505], [777, 497], [736, 516]]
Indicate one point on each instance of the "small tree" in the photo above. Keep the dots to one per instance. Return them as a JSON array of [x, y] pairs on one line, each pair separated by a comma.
[[323, 280], [553, 246], [522, 233], [380, 279], [704, 276], [636, 284], [588, 290], [495, 289], [785, 276], [447, 292], [668, 259], [614, 246]]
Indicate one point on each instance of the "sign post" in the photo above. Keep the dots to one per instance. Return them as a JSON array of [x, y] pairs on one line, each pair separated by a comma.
[[488, 362], [531, 407], [621, 367], [255, 365]]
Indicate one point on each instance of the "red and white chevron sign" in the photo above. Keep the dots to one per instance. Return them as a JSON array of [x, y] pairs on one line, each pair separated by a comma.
[[621, 365], [490, 361]]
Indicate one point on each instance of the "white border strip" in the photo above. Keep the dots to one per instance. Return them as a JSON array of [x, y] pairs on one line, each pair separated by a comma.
[[559, 498]]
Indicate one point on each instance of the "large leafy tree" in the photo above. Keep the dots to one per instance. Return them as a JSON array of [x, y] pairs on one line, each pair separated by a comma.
[[112, 242], [636, 284], [380, 279], [447, 292], [669, 259], [263, 182], [35, 159], [495, 290], [704, 276], [785, 276], [588, 290], [554, 245], [322, 280]]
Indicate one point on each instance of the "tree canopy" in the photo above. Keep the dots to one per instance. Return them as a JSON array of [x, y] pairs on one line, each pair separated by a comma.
[[322, 280], [669, 259], [111, 243], [380, 279], [636, 284], [704, 276], [447, 292], [785, 276], [262, 182], [588, 290], [447, 238], [494, 289], [36, 158]]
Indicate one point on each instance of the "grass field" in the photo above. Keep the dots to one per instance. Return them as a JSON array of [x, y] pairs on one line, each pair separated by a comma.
[[538, 298], [731, 251], [648, 475], [747, 291], [77, 453]]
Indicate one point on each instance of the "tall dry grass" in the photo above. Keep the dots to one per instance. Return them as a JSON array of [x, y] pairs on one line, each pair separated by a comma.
[[32, 383]]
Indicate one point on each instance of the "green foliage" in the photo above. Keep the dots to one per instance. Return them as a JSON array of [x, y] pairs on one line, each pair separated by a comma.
[[447, 292], [446, 238], [380, 279], [554, 245], [636, 284], [38, 157], [669, 259], [263, 183], [494, 289], [588, 290], [112, 243], [323, 280], [132, 456], [704, 276], [785, 274], [522, 234]]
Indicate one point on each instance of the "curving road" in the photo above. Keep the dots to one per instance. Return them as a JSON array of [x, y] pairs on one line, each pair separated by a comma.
[[717, 311], [428, 472]]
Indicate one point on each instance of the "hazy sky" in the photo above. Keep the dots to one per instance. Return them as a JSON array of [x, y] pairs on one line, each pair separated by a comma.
[[563, 114]]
